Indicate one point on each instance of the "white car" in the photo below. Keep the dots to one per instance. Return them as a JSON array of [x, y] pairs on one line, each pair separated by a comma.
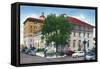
[[78, 54]]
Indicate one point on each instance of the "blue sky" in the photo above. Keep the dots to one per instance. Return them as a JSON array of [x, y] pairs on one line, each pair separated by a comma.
[[87, 15]]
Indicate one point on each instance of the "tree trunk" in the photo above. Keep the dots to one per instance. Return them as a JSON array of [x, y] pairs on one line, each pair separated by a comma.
[[56, 50]]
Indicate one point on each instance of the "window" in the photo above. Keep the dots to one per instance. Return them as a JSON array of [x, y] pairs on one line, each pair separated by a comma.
[[30, 40], [30, 45], [74, 42], [84, 34], [74, 34], [84, 28], [25, 41], [79, 43], [30, 28], [88, 44], [30, 35], [79, 34], [35, 22], [35, 27], [88, 35], [79, 27]]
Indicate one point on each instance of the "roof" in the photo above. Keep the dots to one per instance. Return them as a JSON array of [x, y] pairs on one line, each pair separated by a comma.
[[33, 19], [42, 16], [79, 22], [70, 19]]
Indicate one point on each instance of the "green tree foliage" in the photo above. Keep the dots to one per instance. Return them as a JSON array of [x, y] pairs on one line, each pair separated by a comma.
[[56, 29]]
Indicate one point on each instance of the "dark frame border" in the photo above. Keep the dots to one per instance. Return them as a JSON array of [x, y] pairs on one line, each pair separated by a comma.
[[59, 6]]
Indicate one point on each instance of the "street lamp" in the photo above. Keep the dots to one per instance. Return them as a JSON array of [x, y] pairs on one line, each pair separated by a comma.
[[45, 54], [84, 42]]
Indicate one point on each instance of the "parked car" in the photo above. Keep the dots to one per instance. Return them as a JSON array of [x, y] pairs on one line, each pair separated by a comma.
[[30, 51], [69, 52], [90, 56], [50, 52], [78, 54], [23, 49]]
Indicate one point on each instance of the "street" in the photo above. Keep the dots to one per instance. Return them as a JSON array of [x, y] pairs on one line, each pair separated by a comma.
[[24, 58]]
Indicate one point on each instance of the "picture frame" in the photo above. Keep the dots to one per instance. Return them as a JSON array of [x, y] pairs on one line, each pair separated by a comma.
[[30, 23]]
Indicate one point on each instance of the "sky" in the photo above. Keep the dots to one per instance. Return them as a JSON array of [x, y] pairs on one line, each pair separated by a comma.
[[86, 15]]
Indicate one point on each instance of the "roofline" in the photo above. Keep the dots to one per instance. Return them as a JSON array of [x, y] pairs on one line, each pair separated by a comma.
[[32, 19], [83, 22]]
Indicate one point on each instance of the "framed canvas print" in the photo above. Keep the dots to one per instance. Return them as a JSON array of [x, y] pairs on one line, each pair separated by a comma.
[[44, 34]]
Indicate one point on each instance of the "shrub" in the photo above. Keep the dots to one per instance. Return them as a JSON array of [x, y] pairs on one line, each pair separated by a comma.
[[51, 54], [40, 49]]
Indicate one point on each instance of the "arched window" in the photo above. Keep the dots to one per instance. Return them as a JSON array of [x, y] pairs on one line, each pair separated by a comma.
[[79, 42], [88, 35], [88, 43], [30, 28], [74, 34], [79, 34], [79, 45], [74, 42]]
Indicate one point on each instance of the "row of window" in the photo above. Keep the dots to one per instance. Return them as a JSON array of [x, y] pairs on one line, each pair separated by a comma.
[[84, 34], [79, 43], [35, 28], [83, 28]]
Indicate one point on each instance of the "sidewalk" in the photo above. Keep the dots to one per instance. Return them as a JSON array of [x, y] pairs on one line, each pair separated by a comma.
[[42, 55]]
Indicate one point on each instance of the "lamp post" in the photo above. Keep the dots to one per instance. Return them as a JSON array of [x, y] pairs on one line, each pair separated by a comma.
[[84, 42], [45, 55]]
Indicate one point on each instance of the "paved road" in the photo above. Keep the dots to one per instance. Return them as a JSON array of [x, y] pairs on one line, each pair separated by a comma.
[[37, 59]]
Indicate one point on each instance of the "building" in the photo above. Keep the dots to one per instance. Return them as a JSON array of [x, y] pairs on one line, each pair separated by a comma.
[[82, 31], [32, 28]]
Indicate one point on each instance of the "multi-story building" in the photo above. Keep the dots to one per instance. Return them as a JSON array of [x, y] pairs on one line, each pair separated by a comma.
[[32, 27], [82, 31]]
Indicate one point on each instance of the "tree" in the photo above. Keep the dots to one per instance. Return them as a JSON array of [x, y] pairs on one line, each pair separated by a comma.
[[56, 29]]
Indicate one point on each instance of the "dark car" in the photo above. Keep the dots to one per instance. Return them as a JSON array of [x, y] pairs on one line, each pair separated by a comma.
[[30, 51], [23, 50], [90, 56], [69, 52]]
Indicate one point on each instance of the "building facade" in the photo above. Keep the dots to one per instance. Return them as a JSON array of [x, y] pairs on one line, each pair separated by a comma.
[[82, 31], [32, 28]]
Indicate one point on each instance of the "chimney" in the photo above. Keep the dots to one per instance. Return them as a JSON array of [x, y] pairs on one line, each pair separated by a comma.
[[42, 17], [65, 15]]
